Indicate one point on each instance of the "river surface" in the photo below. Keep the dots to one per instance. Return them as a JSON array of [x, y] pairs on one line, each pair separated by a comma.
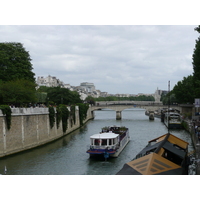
[[67, 156]]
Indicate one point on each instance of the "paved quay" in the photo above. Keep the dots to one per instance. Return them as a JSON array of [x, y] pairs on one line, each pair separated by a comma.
[[198, 159], [196, 142], [197, 153]]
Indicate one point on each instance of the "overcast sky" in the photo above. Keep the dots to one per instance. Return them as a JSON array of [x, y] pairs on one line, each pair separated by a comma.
[[117, 59]]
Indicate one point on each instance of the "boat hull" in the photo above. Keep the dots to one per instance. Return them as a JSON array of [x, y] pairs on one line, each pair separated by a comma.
[[172, 120], [173, 125], [126, 141]]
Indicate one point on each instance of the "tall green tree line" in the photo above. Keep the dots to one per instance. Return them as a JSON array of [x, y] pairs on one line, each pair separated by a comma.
[[58, 95], [15, 62], [115, 98], [17, 82], [196, 66], [186, 90]]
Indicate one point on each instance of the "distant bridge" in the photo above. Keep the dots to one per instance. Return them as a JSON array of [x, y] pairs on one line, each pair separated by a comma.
[[119, 106]]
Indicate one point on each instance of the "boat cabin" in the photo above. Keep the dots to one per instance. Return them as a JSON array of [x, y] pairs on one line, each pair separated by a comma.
[[104, 139], [173, 115]]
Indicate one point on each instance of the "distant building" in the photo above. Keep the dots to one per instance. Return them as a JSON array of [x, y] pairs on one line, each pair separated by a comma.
[[158, 94], [122, 95], [103, 94], [49, 81], [68, 86], [88, 86], [88, 89]]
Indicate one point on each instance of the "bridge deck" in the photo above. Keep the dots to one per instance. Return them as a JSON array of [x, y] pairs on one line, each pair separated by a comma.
[[121, 107]]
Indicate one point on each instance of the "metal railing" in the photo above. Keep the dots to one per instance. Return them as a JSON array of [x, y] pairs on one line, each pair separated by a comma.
[[27, 111], [101, 146]]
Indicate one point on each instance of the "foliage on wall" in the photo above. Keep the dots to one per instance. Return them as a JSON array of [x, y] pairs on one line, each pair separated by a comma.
[[65, 116], [63, 113], [58, 116], [51, 116], [83, 108], [6, 110], [73, 113]]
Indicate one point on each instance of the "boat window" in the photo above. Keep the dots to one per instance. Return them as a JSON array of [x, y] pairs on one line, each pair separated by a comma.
[[96, 141], [104, 142]]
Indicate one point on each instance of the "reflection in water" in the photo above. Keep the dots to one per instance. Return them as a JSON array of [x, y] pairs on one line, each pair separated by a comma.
[[67, 156]]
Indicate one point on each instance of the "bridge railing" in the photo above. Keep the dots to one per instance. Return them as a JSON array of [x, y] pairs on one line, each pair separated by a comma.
[[128, 104]]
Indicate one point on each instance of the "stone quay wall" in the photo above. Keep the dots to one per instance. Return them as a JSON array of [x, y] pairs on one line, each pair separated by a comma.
[[30, 127]]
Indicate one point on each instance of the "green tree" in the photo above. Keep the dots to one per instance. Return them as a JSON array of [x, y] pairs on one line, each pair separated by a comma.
[[43, 89], [63, 96], [196, 65], [15, 62], [17, 92], [189, 88], [116, 98], [90, 100], [169, 98], [183, 90], [6, 110], [41, 97], [83, 108]]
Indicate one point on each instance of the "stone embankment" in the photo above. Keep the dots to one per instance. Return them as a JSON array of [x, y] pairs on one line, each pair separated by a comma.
[[30, 128]]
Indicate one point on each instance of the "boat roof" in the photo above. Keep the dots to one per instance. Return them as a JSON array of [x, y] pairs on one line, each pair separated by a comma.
[[168, 146], [151, 164], [172, 139], [108, 135], [168, 142]]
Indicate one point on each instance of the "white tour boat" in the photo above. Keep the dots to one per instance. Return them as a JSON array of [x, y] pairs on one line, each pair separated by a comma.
[[110, 142]]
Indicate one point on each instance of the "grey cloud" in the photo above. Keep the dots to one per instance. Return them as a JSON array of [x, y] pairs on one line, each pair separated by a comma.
[[117, 59]]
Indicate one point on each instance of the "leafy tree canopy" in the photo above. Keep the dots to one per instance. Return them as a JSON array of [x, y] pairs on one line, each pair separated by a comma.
[[60, 95], [90, 100], [17, 92], [15, 62], [115, 98], [189, 88], [196, 65], [169, 98], [183, 90]]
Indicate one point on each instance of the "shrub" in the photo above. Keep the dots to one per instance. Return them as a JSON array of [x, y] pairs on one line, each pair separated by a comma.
[[6, 110], [51, 116]]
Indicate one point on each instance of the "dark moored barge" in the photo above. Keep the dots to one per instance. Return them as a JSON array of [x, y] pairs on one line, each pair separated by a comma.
[[165, 155]]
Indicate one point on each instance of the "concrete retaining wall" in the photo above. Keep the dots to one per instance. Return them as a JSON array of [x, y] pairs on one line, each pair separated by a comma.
[[30, 128]]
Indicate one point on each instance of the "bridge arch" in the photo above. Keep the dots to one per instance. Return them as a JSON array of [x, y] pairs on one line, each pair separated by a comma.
[[117, 108]]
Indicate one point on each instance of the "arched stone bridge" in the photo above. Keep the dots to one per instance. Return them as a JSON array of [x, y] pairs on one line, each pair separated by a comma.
[[150, 107]]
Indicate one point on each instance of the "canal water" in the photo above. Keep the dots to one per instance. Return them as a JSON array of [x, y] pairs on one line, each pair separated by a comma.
[[67, 156]]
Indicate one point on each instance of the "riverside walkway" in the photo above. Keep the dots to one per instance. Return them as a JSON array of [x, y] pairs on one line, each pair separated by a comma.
[[197, 152], [196, 143]]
